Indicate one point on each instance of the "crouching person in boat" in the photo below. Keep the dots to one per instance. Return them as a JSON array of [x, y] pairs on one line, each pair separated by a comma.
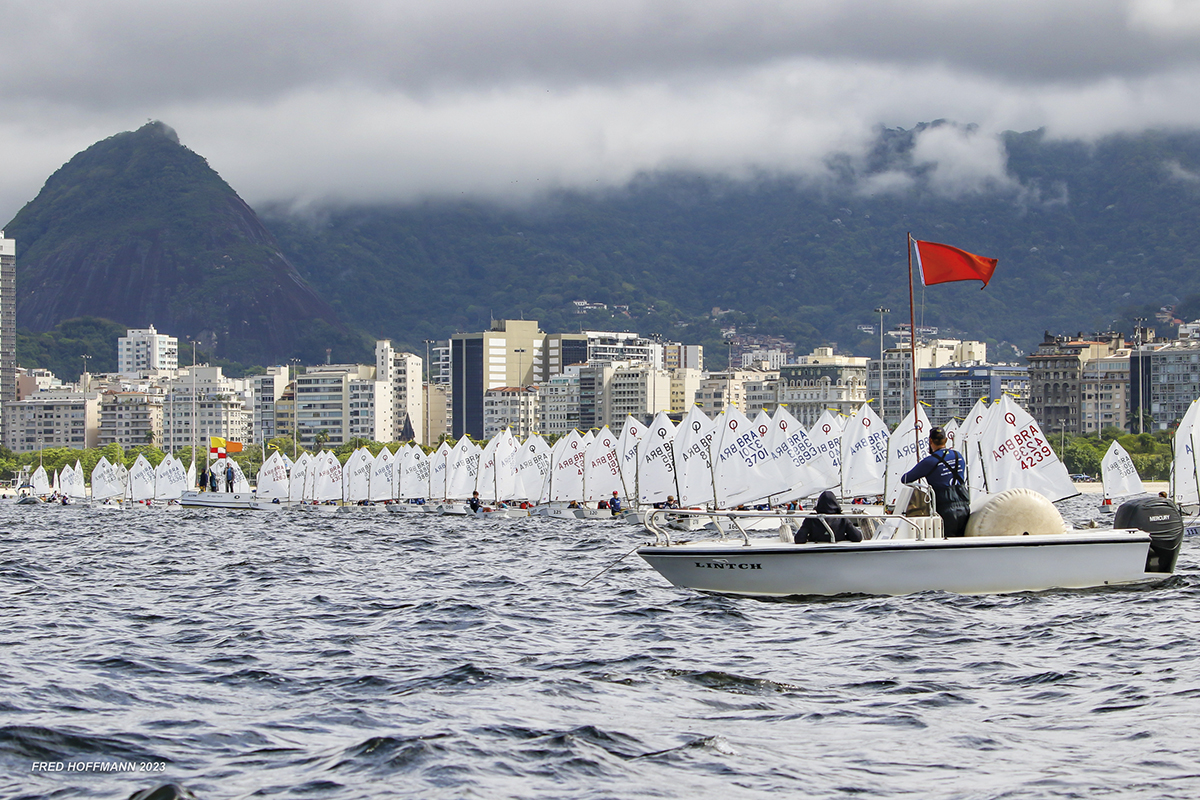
[[943, 469], [814, 529]]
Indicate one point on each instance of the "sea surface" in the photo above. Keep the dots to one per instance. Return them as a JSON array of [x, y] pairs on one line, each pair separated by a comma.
[[375, 655]]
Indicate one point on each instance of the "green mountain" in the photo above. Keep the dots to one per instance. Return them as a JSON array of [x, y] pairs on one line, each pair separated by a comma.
[[1088, 237], [139, 230]]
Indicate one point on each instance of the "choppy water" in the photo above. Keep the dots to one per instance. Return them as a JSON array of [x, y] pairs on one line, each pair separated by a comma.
[[373, 655]]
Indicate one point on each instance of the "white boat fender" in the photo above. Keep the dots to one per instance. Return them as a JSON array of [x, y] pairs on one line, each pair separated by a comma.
[[1016, 512]]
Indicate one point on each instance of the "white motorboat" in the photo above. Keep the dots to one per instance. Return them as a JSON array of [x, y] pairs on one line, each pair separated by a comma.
[[230, 500], [1016, 545]]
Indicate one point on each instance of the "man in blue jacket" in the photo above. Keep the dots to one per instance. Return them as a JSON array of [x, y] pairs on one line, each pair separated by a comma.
[[944, 470]]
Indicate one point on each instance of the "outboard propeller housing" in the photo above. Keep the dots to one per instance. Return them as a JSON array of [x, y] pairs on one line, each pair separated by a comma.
[[1160, 518]]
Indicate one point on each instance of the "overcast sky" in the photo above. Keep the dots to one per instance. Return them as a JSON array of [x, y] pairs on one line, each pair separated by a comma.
[[387, 99]]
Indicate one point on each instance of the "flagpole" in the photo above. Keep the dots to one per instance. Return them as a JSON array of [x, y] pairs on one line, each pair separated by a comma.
[[912, 343]]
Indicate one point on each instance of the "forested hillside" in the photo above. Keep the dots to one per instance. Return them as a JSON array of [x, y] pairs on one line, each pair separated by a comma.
[[1088, 236]]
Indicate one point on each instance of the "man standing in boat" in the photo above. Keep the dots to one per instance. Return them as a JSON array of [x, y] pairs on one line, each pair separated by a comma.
[[944, 469]]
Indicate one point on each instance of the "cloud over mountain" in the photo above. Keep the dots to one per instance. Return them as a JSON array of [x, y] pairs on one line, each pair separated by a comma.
[[375, 100]]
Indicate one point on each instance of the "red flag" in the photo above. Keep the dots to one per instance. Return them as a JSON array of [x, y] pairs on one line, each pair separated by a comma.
[[941, 263]]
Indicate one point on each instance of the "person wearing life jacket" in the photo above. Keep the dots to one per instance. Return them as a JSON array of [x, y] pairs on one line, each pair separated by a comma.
[[615, 503], [944, 469]]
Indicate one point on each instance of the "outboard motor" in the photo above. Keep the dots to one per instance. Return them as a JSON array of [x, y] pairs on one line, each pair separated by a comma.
[[1160, 518]]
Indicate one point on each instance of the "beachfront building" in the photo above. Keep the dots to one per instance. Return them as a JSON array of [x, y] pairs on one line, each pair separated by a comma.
[[131, 419], [1056, 377], [53, 418]]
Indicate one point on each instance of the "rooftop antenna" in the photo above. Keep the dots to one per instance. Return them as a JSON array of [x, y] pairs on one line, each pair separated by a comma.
[[328, 353]]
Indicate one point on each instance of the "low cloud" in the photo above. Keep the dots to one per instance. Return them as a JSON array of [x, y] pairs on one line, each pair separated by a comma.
[[369, 100]]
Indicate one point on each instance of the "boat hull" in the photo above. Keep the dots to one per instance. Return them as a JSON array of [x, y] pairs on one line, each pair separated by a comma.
[[978, 565], [232, 500]]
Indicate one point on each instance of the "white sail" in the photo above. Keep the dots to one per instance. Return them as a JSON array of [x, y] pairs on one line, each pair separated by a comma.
[[462, 465], [743, 469], [439, 471], [864, 454], [1185, 467], [485, 478], [414, 475], [298, 477], [1119, 474], [533, 466], [951, 429], [601, 468], [1016, 454], [798, 460], [327, 478], [693, 459], [356, 476], [123, 477], [273, 482], [400, 459], [548, 485], [40, 481], [66, 481], [826, 436], [106, 482], [80, 481], [656, 461], [170, 479], [191, 476], [627, 451], [382, 469], [506, 466], [566, 476], [55, 487], [907, 445], [967, 443], [313, 478]]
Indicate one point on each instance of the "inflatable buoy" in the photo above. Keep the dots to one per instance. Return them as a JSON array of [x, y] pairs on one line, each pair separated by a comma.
[[1016, 512]]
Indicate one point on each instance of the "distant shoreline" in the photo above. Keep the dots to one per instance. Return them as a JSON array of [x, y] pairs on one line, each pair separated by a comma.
[[1096, 487]]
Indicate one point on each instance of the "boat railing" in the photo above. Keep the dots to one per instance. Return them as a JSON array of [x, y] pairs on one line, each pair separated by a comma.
[[873, 523]]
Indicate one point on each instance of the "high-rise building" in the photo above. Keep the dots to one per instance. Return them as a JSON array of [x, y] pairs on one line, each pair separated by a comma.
[[217, 405], [267, 391], [8, 319], [558, 403], [338, 402], [402, 372], [144, 349], [510, 354], [513, 407], [950, 392]]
